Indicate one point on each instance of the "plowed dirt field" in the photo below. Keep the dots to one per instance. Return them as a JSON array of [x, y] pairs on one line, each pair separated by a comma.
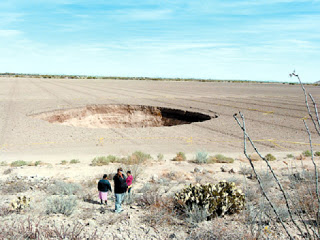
[[273, 115]]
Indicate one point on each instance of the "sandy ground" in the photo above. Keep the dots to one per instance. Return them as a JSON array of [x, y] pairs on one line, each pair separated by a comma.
[[273, 117]]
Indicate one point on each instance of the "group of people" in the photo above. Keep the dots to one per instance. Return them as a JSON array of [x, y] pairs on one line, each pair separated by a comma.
[[122, 185]]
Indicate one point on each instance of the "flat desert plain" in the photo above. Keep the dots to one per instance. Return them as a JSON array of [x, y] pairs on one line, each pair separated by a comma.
[[273, 114]]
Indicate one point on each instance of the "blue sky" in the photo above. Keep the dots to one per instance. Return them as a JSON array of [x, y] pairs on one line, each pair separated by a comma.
[[249, 40]]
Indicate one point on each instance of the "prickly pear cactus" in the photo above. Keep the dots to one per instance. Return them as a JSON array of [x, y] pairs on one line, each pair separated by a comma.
[[20, 203], [219, 199]]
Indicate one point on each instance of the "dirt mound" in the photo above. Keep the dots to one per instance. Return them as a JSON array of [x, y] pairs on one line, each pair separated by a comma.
[[122, 116]]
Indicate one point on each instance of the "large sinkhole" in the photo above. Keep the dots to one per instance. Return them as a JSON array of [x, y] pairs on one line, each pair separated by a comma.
[[122, 116]]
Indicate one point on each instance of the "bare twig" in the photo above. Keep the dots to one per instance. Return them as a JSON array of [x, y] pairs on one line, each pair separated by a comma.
[[307, 104], [255, 172], [315, 169]]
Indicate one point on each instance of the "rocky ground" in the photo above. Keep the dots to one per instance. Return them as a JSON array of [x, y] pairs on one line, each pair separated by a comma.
[[148, 214]]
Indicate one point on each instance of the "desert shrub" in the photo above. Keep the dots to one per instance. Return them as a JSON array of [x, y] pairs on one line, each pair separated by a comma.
[[18, 163], [14, 186], [30, 163], [20, 203], [3, 163], [149, 195], [162, 214], [7, 171], [196, 214], [35, 229], [100, 161], [317, 154], [255, 157], [290, 155], [219, 158], [64, 162], [266, 180], [201, 157], [179, 157], [222, 229], [112, 158], [74, 161], [245, 170], [37, 163], [307, 153], [63, 188], [5, 211], [61, 204], [270, 157], [137, 157], [218, 200], [160, 157]]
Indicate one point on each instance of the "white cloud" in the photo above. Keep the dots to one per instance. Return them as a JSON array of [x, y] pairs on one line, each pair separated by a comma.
[[9, 33]]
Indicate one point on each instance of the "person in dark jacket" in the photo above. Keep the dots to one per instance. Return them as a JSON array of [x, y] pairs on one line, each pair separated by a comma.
[[104, 186], [120, 188]]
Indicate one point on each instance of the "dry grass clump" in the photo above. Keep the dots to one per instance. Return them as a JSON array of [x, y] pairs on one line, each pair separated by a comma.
[[219, 158], [255, 157], [180, 157]]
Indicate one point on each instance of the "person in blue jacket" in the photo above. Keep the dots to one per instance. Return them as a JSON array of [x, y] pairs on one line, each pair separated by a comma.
[[120, 188]]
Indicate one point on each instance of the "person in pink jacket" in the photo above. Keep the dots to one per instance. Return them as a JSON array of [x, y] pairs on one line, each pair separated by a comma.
[[129, 181]]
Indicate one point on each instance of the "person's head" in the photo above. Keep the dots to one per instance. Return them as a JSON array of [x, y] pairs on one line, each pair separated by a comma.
[[120, 170], [105, 176], [129, 173]]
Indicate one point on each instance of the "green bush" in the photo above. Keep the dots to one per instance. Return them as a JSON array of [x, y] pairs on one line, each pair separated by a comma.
[[61, 204], [306, 153], [18, 163], [317, 154], [219, 158], [74, 161], [270, 157], [218, 200], [64, 162], [112, 158], [290, 156], [201, 157], [37, 163], [180, 157]]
